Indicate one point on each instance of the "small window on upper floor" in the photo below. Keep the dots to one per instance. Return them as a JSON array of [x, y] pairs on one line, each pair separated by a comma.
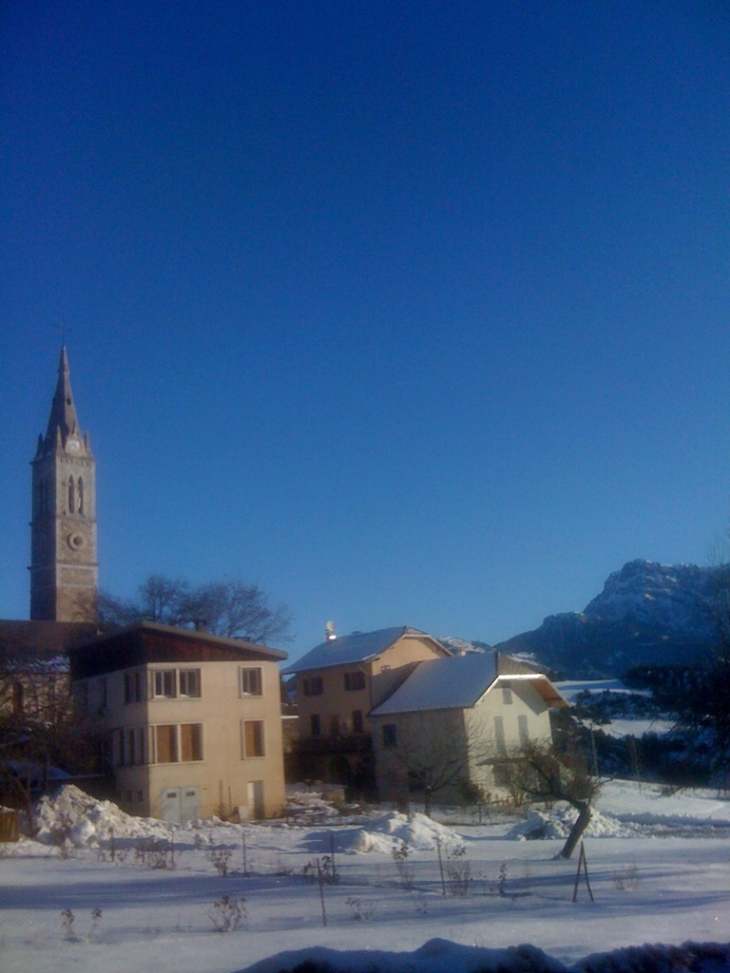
[[313, 686], [71, 495], [251, 682], [163, 683], [523, 730], [190, 683], [499, 738], [354, 680], [506, 694], [81, 495], [133, 687]]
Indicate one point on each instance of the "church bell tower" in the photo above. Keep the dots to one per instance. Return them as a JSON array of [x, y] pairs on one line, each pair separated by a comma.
[[63, 569]]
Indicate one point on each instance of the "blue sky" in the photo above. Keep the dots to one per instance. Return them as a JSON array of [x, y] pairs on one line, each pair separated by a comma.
[[413, 313]]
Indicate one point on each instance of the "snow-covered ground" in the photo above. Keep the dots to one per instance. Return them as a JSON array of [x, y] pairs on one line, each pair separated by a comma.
[[659, 868]]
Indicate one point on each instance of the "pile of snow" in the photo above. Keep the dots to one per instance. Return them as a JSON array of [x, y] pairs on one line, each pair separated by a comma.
[[312, 805], [558, 822], [82, 820], [388, 831], [443, 956]]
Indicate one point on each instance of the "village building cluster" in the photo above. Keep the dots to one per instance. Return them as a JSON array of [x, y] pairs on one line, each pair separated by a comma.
[[188, 724]]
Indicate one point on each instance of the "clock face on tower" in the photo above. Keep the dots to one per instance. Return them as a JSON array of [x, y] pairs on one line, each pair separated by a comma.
[[74, 445], [76, 541]]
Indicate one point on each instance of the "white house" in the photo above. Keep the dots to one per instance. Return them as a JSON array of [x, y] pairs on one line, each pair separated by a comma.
[[459, 720]]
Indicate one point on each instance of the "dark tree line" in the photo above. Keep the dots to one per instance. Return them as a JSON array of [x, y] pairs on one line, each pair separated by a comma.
[[697, 696], [229, 608]]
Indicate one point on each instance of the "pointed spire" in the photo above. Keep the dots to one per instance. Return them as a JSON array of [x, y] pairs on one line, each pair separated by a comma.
[[62, 420]]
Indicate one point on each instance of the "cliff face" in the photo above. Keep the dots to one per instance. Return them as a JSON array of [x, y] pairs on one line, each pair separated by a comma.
[[674, 598], [646, 613]]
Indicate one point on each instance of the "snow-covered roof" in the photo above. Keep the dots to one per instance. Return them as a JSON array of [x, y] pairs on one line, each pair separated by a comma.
[[345, 649], [460, 682], [455, 683]]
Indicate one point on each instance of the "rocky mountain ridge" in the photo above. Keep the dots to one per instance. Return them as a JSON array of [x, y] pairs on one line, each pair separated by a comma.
[[647, 613]]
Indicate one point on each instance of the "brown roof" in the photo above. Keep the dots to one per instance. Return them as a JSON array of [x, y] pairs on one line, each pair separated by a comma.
[[146, 642]]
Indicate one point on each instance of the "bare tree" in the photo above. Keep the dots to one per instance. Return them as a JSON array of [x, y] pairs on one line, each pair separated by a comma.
[[40, 728], [542, 772], [236, 610], [229, 608], [163, 599]]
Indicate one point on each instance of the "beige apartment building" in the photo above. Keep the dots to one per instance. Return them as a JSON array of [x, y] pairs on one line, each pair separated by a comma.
[[338, 684], [191, 722], [341, 680]]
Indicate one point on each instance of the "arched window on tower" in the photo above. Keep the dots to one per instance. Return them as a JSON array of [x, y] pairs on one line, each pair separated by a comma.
[[81, 495], [71, 495]]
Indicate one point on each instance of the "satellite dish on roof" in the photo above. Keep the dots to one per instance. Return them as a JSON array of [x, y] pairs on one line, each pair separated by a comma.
[[329, 631]]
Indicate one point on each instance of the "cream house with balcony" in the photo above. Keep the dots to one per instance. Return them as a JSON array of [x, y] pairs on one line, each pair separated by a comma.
[[191, 722], [338, 684]]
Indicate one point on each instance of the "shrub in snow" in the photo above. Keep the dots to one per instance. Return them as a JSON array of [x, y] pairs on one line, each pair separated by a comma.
[[220, 858], [458, 872], [154, 853], [627, 879], [362, 911], [67, 924], [405, 871], [227, 913]]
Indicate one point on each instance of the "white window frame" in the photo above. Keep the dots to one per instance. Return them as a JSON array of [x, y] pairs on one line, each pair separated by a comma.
[[198, 678], [163, 676], [246, 693], [152, 743]]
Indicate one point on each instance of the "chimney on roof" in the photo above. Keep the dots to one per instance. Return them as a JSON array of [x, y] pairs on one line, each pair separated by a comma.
[[329, 632]]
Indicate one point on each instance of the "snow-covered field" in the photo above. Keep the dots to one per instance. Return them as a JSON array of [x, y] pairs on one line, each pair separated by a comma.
[[576, 690], [659, 868]]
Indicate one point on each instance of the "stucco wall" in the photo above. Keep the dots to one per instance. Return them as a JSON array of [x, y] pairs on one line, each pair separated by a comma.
[[431, 744], [510, 714], [223, 774], [382, 676]]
